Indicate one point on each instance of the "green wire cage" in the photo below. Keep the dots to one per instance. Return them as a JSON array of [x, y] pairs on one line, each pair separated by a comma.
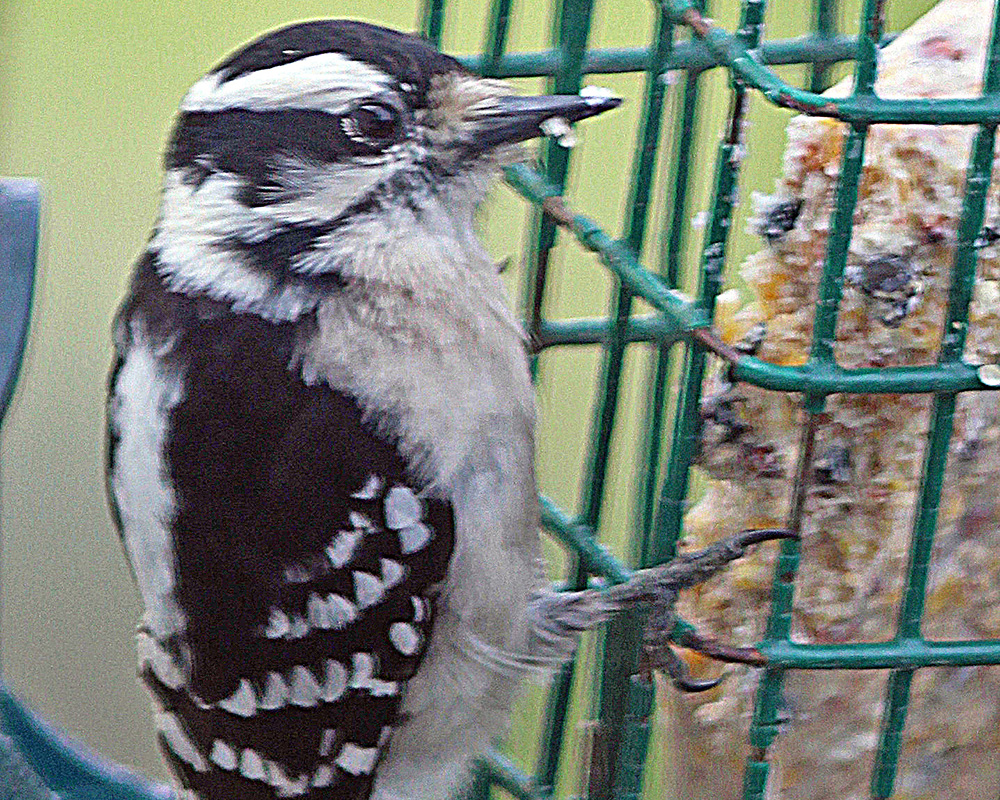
[[648, 310]]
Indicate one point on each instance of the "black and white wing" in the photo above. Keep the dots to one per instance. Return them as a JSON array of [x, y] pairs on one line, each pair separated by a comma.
[[286, 563]]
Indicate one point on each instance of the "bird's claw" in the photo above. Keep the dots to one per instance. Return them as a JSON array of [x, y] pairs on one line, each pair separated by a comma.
[[655, 584], [659, 587], [663, 657]]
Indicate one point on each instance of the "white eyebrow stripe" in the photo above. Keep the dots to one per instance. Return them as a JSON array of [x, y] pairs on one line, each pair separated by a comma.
[[323, 82]]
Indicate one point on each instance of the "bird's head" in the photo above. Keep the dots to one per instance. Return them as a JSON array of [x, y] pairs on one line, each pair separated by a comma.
[[300, 160]]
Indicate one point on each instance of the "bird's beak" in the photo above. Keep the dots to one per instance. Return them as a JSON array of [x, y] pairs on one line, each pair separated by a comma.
[[514, 119]]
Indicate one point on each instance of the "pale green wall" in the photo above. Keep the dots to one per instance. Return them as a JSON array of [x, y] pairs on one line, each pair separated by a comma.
[[87, 91]]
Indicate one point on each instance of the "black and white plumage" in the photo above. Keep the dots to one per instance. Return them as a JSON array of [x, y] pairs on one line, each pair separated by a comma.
[[320, 426], [301, 561]]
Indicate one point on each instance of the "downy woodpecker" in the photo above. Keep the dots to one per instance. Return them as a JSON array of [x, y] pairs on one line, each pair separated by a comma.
[[320, 427]]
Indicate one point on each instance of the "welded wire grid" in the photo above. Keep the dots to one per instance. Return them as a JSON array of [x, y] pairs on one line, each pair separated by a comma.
[[680, 328]]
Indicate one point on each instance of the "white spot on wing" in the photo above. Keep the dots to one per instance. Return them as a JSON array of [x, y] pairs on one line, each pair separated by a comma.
[[305, 691], [357, 760], [380, 688], [322, 777], [370, 490], [275, 692], [178, 741], [361, 522], [325, 81], [297, 573], [298, 629], [283, 785], [364, 666], [326, 743], [319, 615], [252, 765], [144, 394], [402, 508], [278, 624], [336, 681], [342, 611], [363, 677], [414, 537], [392, 572], [342, 547], [419, 609], [368, 589], [404, 637], [159, 661], [242, 702], [223, 755]]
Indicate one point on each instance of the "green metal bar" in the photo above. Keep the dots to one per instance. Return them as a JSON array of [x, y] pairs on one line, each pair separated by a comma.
[[895, 654], [764, 726], [824, 25], [763, 730], [432, 21], [644, 160], [911, 612], [593, 556], [571, 32], [858, 109], [652, 449], [572, 29], [687, 423], [939, 435], [827, 378], [831, 282], [569, 332], [504, 773], [482, 781], [635, 742], [897, 698], [496, 38], [678, 309], [685, 135], [977, 184], [623, 634], [693, 56]]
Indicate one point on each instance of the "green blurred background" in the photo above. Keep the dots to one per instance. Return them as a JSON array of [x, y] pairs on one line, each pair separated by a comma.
[[87, 92]]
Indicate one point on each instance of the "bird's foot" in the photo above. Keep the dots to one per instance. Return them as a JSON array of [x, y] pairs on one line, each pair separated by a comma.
[[658, 587]]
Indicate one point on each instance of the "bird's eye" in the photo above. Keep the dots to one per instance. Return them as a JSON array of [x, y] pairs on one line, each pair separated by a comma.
[[374, 125]]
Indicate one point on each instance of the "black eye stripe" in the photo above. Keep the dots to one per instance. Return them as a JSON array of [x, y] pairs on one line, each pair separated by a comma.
[[249, 143]]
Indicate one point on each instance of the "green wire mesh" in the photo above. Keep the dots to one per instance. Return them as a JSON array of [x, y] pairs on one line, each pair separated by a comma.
[[680, 331]]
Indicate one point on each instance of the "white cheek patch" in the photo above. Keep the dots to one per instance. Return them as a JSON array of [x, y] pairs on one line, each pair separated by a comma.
[[304, 190], [322, 82], [193, 221]]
